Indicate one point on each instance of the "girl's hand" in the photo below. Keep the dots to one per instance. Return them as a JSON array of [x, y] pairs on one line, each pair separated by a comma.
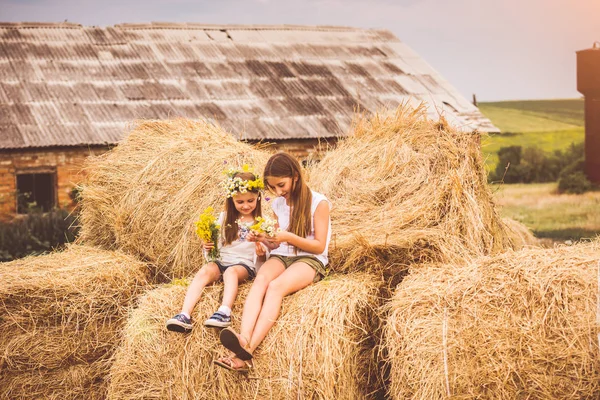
[[208, 246], [260, 250], [280, 237], [252, 237]]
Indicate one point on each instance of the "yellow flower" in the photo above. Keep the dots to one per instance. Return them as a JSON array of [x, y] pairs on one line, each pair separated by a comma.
[[264, 225], [208, 230]]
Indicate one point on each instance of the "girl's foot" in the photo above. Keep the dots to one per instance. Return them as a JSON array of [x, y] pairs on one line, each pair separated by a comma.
[[218, 320], [236, 344], [233, 363], [180, 323]]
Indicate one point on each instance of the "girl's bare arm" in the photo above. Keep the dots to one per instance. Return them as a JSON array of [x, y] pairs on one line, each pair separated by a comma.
[[321, 225]]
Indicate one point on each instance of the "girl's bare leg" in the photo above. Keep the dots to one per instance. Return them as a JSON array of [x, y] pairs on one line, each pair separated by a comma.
[[208, 274], [231, 279], [254, 301], [298, 276]]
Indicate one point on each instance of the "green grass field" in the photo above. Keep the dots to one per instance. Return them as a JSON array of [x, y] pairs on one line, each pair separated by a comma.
[[550, 125], [549, 214], [547, 124]]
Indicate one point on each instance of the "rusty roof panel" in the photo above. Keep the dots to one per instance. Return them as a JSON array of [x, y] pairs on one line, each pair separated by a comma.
[[6, 71], [15, 91], [208, 51], [45, 114], [188, 70], [11, 137], [141, 51], [21, 113], [210, 110], [72, 113], [24, 70], [6, 115], [265, 89], [108, 91], [64, 84], [14, 50], [246, 36], [230, 51], [3, 96], [37, 91]]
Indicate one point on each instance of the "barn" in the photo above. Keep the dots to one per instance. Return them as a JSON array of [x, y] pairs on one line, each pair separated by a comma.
[[68, 91]]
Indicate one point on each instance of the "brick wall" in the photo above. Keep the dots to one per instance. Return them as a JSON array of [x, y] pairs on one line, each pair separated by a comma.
[[65, 162]]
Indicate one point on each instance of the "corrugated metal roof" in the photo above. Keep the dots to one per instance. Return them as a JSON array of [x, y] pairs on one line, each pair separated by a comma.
[[67, 84]]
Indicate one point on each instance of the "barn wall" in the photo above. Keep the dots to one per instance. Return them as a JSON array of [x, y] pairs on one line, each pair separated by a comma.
[[66, 162]]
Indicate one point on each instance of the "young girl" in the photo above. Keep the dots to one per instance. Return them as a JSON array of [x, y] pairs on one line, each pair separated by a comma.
[[298, 257], [237, 260]]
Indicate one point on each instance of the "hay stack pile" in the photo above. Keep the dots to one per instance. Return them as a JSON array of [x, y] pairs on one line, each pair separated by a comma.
[[144, 195], [519, 325], [520, 235], [406, 189], [60, 315], [320, 347]]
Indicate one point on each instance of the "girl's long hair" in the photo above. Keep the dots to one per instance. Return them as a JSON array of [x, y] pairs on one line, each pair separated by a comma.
[[283, 165], [230, 226]]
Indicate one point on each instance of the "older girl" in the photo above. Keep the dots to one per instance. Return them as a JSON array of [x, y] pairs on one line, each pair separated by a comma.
[[298, 257]]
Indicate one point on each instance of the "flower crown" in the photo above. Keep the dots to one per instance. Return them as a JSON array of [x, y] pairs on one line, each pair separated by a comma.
[[234, 184]]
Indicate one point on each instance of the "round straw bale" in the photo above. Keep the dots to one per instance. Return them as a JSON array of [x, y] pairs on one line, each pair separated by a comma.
[[320, 347], [408, 188], [520, 325], [519, 234], [78, 381], [145, 194], [63, 309]]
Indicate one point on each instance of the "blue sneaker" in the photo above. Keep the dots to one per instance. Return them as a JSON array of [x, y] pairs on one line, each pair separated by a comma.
[[218, 320], [180, 323]]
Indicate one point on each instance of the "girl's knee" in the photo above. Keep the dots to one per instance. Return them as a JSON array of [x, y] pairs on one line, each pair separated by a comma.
[[206, 273], [276, 288], [230, 273], [261, 281]]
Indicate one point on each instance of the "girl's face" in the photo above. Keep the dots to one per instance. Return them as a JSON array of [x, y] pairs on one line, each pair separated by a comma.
[[282, 186], [245, 203]]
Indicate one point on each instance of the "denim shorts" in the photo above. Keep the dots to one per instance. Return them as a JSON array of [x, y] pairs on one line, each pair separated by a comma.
[[313, 262], [223, 267]]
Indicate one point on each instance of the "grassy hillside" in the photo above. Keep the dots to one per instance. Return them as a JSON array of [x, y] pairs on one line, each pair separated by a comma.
[[548, 124], [549, 214]]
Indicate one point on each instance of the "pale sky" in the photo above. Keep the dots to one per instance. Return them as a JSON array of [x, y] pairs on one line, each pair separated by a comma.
[[498, 49]]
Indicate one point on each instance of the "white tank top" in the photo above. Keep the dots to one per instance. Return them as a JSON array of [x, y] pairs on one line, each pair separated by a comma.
[[238, 251], [282, 210]]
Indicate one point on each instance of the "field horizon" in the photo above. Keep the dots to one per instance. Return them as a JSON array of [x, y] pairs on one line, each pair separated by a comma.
[[547, 124]]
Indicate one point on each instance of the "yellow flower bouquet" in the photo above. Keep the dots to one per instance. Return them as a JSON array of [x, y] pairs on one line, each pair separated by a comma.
[[264, 225], [207, 229]]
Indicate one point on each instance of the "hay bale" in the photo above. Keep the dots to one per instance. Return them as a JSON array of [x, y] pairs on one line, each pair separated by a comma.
[[520, 235], [144, 195], [518, 325], [79, 381], [320, 347], [406, 189], [61, 313]]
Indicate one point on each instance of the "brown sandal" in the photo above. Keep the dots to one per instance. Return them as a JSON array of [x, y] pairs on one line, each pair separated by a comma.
[[232, 343], [229, 365]]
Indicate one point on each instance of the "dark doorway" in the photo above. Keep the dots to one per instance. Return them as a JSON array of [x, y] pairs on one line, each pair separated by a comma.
[[36, 191]]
